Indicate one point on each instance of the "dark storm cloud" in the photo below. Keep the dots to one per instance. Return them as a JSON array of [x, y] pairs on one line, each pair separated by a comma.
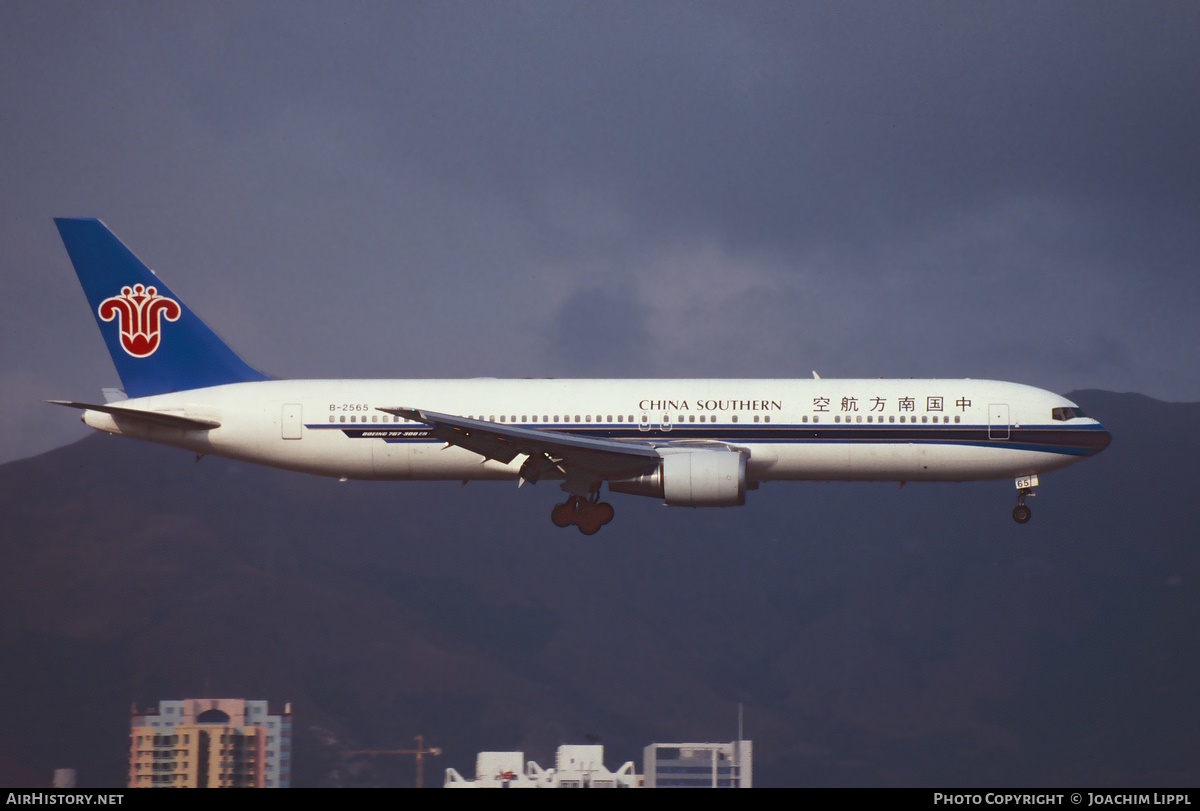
[[595, 331], [1003, 190], [779, 123]]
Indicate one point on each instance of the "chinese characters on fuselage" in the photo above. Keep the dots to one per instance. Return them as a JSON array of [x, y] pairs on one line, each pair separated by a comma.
[[933, 404]]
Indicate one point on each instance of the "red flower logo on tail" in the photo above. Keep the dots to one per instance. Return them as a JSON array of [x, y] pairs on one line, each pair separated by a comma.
[[139, 312]]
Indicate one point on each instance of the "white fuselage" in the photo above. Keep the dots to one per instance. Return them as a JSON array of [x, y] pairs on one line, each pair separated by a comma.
[[883, 430]]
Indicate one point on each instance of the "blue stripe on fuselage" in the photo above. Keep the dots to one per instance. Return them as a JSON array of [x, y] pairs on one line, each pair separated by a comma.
[[1075, 441]]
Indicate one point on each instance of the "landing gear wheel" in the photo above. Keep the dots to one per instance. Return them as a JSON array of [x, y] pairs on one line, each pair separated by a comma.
[[589, 523], [1021, 514], [563, 515], [588, 513]]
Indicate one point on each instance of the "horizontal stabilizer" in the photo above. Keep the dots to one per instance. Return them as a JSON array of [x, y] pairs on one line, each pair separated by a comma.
[[158, 418]]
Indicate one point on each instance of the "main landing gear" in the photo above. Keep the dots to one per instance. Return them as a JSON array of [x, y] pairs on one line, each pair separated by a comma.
[[1025, 484], [587, 513]]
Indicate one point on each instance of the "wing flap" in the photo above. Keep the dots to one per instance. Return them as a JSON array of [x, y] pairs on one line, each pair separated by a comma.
[[157, 418]]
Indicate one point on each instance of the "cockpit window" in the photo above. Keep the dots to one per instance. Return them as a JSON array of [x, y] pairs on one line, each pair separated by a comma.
[[1063, 413]]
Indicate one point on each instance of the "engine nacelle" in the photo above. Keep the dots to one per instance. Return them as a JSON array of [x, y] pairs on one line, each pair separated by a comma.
[[692, 479]]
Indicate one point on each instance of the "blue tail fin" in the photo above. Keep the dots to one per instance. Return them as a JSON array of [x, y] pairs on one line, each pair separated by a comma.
[[157, 344]]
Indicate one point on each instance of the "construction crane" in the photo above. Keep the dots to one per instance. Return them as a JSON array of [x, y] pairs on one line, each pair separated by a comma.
[[420, 752]]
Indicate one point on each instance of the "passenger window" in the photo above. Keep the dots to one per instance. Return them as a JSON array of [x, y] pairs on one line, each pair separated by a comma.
[[734, 418], [577, 418], [837, 418], [631, 418], [343, 419], [756, 418], [767, 419], [804, 418], [333, 419], [610, 419], [692, 418], [523, 418], [858, 419], [501, 418], [620, 418], [816, 418], [956, 419], [924, 419], [891, 419]]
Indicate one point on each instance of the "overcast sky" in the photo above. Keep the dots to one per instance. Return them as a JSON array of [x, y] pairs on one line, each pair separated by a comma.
[[1004, 190]]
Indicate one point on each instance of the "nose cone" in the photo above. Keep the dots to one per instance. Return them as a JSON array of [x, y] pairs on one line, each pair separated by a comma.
[[1098, 439]]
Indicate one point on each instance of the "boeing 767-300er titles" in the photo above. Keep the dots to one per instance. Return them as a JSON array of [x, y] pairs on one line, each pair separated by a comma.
[[691, 443]]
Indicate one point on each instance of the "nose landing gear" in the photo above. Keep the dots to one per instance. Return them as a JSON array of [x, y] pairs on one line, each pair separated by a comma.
[[1025, 484], [587, 513]]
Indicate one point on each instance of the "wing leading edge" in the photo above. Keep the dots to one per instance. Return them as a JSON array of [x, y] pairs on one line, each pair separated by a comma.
[[581, 459]]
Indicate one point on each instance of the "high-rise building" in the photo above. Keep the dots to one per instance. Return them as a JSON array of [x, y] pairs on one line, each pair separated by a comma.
[[210, 743], [699, 765]]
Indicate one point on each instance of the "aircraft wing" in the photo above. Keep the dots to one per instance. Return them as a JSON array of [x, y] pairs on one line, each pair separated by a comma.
[[159, 418], [577, 457]]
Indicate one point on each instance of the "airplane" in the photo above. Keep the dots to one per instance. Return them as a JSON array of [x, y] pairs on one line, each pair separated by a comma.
[[690, 443]]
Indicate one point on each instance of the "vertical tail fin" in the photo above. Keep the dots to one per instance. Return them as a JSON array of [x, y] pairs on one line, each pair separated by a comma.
[[157, 344]]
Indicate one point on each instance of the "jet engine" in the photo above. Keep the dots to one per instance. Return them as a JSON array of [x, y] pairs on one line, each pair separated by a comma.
[[692, 479]]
